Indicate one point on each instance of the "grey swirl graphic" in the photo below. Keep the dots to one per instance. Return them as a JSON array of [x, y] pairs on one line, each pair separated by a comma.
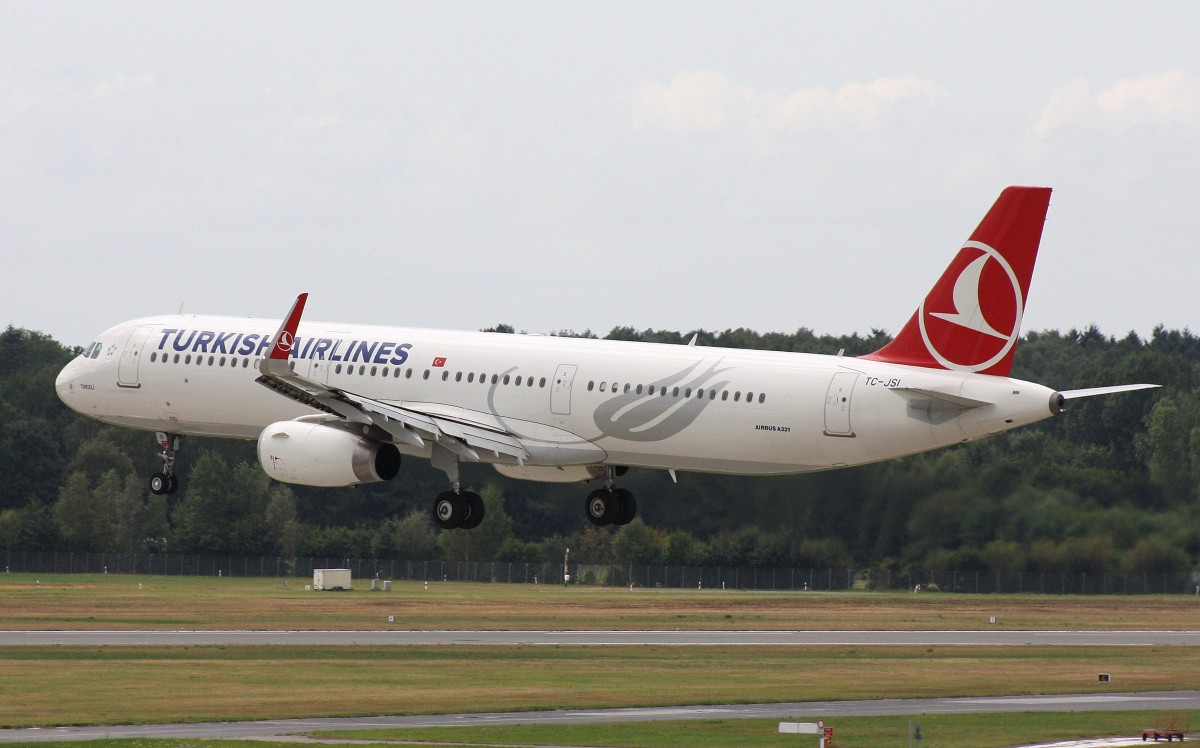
[[644, 417]]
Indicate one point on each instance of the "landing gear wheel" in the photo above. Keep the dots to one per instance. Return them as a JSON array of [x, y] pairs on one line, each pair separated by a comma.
[[172, 483], [475, 510], [449, 510], [602, 506], [160, 483], [628, 507]]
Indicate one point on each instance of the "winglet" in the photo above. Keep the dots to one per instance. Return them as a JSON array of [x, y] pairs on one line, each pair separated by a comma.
[[285, 337], [971, 319]]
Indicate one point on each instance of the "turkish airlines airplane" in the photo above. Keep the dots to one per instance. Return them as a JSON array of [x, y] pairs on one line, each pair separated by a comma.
[[338, 404]]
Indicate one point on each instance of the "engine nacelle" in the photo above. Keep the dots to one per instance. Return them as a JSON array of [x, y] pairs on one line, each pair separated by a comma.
[[313, 454]]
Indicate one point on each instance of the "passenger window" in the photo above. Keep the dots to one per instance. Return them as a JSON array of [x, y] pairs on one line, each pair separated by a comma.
[[458, 376], [700, 394], [603, 386], [506, 379], [445, 376], [425, 375], [737, 396], [337, 369], [470, 377], [762, 397], [373, 371], [749, 396], [518, 382], [542, 382], [591, 385], [725, 395], [639, 389]]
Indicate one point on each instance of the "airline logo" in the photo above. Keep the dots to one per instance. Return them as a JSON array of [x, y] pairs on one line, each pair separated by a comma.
[[184, 340], [972, 318]]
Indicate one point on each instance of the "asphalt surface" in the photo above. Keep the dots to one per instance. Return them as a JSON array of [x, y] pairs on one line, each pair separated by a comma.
[[600, 638], [798, 711]]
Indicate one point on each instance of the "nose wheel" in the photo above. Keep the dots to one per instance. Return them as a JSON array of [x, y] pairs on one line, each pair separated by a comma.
[[166, 482]]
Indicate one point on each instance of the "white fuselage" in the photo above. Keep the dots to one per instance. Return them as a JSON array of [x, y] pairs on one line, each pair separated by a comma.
[[570, 401]]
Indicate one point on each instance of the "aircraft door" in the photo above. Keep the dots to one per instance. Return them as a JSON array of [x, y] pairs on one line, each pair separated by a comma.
[[837, 404], [560, 389], [127, 367]]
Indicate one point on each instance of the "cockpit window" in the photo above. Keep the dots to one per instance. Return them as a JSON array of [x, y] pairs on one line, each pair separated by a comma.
[[92, 351]]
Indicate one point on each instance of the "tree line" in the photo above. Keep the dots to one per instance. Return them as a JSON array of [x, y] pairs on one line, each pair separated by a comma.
[[1110, 487]]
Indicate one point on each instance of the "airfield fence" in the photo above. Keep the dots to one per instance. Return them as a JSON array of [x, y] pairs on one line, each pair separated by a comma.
[[609, 575]]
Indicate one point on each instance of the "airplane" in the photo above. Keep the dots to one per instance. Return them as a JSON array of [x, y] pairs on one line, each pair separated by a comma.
[[340, 404]]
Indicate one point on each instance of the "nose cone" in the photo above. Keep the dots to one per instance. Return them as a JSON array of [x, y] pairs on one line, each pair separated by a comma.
[[65, 384]]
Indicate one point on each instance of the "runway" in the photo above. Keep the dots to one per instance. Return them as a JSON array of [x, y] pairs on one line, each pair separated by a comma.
[[805, 711], [601, 638]]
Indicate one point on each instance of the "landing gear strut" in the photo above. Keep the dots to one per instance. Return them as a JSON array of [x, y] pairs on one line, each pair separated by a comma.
[[610, 506], [166, 482], [455, 508]]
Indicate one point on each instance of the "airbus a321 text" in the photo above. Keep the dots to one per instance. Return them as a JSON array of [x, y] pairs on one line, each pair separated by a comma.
[[338, 404]]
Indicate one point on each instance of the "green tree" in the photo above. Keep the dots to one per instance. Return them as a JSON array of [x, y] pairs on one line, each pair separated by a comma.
[[637, 544]]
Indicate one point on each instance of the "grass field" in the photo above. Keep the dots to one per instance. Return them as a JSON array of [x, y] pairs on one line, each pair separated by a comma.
[[42, 686], [126, 602], [75, 685]]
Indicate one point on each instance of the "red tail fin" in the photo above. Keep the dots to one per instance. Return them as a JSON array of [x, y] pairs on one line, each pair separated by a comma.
[[971, 319]]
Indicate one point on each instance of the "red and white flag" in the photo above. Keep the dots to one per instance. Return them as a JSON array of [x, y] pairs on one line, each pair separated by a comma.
[[439, 361]]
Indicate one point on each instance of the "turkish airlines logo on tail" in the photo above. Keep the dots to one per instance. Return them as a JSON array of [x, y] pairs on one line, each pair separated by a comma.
[[972, 317], [286, 341]]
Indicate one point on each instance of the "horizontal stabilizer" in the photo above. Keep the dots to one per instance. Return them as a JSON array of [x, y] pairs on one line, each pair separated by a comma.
[[941, 400], [1094, 391], [936, 407]]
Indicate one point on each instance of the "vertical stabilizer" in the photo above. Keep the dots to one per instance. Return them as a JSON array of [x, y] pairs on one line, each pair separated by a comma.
[[971, 319]]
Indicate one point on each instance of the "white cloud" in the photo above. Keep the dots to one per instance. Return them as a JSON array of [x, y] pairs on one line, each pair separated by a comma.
[[124, 84], [692, 101], [1167, 98], [706, 101]]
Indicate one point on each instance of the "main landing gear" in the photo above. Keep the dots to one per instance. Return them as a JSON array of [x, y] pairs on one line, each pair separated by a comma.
[[455, 508], [608, 505], [458, 509], [166, 482]]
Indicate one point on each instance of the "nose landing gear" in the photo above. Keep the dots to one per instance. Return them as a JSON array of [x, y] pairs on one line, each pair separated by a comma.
[[166, 482]]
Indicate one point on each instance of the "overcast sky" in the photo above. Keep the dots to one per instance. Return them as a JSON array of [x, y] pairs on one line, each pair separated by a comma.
[[570, 165]]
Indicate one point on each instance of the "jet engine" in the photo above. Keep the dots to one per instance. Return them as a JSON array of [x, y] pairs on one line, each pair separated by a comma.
[[313, 454]]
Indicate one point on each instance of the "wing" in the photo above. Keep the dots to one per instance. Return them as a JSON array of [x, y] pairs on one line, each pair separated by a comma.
[[463, 432]]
